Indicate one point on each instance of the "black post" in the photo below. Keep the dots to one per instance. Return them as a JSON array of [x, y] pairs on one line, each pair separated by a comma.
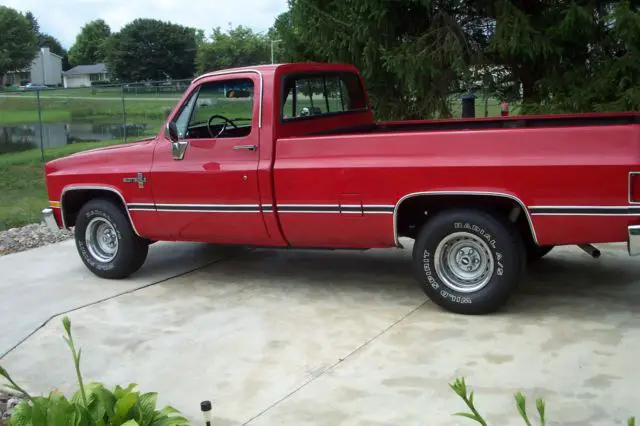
[[124, 115], [40, 126], [205, 407], [469, 105]]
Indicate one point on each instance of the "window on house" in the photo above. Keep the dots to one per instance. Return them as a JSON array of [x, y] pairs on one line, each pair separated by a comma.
[[322, 94]]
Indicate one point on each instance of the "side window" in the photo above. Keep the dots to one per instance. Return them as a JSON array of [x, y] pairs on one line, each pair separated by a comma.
[[322, 94], [219, 109], [182, 120]]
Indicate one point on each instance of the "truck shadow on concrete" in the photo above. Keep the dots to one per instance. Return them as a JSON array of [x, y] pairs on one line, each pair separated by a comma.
[[569, 282], [566, 282]]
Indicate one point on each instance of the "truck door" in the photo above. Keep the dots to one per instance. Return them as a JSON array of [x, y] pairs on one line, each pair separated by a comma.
[[205, 184]]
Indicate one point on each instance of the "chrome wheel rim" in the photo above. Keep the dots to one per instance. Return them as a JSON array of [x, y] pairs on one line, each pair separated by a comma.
[[101, 240], [463, 262]]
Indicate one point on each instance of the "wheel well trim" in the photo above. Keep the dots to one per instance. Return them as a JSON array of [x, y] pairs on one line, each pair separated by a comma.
[[71, 188], [511, 197]]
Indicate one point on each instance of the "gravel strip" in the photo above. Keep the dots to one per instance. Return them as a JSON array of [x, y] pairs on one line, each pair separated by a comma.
[[8, 401], [30, 236]]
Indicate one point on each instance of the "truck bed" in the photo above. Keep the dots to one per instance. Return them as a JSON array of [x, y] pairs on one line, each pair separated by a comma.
[[490, 123]]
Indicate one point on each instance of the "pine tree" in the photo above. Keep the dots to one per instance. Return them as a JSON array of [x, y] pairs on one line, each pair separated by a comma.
[[416, 55]]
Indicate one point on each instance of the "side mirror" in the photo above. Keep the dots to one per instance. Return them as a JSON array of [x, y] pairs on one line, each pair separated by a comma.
[[172, 130], [178, 147]]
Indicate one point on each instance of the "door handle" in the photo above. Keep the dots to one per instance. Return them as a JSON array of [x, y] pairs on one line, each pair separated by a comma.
[[249, 147]]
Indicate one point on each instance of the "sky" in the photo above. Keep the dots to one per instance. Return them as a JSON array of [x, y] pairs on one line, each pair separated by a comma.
[[63, 19]]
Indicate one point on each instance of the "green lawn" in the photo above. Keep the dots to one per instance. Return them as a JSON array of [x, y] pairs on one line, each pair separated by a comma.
[[22, 188], [17, 110], [20, 116]]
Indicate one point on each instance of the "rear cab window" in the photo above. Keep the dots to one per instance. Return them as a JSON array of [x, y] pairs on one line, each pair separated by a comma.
[[312, 95]]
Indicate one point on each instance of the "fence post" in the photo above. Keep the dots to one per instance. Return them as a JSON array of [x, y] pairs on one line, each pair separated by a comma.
[[124, 114], [40, 126], [486, 102], [469, 105]]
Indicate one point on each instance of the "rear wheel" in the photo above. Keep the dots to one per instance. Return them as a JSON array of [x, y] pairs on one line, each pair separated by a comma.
[[468, 261], [106, 241]]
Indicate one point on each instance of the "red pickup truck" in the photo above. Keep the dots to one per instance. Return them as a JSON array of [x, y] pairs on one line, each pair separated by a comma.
[[291, 156]]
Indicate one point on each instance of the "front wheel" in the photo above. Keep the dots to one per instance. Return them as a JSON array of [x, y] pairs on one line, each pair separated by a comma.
[[468, 261], [106, 241]]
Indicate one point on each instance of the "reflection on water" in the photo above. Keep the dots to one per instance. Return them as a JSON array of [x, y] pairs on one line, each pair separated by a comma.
[[22, 137]]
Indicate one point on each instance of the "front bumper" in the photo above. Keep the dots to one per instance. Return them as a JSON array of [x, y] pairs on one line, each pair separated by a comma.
[[633, 241], [50, 220]]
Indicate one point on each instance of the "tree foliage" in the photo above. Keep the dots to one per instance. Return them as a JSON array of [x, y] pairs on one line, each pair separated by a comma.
[[567, 55], [33, 21], [90, 44], [47, 40], [237, 47], [149, 49], [602, 73], [412, 53], [556, 55], [18, 42]]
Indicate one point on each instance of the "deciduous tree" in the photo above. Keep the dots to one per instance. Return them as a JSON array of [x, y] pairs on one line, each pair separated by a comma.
[[47, 40], [18, 42], [237, 47], [90, 42], [149, 49]]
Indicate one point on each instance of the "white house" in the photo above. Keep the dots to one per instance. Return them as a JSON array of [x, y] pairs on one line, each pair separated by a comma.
[[45, 69], [84, 75]]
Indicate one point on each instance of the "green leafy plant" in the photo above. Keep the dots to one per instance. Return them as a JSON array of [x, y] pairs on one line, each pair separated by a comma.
[[459, 386], [92, 404]]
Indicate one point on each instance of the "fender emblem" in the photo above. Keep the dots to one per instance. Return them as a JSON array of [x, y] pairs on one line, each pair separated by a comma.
[[140, 179]]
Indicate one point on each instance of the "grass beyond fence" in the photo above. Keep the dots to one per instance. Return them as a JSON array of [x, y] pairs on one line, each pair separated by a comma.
[[23, 192], [16, 110]]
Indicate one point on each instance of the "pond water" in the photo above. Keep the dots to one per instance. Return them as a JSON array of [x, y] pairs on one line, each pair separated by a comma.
[[14, 138]]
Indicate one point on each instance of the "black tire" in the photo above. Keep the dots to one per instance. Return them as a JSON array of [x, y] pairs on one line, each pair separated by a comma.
[[131, 251], [504, 249], [535, 252]]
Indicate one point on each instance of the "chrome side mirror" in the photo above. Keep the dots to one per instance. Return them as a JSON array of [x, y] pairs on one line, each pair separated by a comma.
[[172, 131], [178, 147]]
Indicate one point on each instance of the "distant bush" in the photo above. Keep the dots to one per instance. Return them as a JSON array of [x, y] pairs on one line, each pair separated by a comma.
[[103, 83]]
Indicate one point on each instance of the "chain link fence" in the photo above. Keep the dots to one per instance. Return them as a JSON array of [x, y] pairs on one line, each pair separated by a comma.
[[56, 117]]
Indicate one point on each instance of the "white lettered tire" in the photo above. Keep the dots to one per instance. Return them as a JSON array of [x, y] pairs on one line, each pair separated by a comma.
[[106, 241], [468, 261]]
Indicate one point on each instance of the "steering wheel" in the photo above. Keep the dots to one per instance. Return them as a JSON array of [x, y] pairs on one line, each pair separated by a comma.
[[224, 126]]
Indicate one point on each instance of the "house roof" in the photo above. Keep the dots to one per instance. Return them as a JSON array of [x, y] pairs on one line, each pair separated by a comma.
[[87, 69]]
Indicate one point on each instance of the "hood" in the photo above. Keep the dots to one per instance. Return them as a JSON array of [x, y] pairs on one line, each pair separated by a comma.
[[97, 157], [118, 147]]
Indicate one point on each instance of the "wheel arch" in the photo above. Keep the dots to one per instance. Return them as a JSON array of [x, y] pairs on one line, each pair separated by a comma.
[[73, 197], [428, 200]]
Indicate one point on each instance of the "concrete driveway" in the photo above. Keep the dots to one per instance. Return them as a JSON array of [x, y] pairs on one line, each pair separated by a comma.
[[333, 338], [39, 284]]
